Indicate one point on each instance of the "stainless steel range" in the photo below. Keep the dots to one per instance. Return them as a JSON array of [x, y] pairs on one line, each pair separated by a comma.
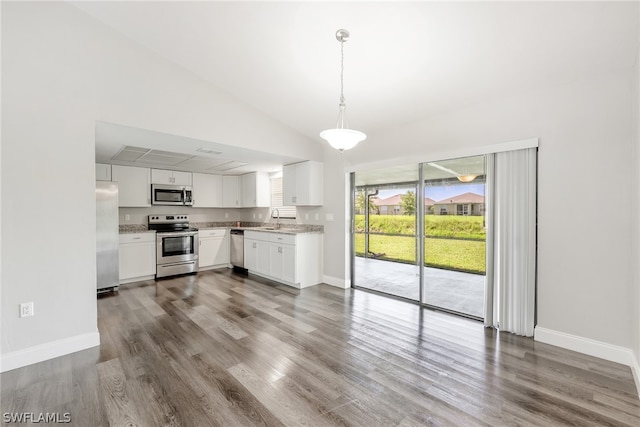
[[176, 245]]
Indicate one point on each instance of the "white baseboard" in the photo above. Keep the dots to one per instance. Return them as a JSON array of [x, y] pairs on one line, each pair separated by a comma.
[[591, 347], [335, 281], [636, 373], [41, 352]]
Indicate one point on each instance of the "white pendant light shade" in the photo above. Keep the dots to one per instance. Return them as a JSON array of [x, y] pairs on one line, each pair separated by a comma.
[[343, 139], [466, 178]]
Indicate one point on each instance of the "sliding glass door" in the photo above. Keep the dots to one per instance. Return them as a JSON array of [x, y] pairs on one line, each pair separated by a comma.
[[455, 235], [385, 237], [419, 233]]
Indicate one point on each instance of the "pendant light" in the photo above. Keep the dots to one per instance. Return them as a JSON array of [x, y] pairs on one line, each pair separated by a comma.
[[341, 138]]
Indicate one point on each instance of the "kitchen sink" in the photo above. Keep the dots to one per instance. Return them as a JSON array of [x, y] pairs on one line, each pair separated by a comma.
[[283, 229]]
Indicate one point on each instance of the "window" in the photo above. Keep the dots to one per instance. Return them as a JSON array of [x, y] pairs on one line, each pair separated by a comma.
[[277, 196]]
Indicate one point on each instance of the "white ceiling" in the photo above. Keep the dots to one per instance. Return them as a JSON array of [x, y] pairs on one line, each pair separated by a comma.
[[404, 61]]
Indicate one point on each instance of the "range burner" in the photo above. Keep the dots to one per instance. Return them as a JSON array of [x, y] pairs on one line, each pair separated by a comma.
[[168, 223]]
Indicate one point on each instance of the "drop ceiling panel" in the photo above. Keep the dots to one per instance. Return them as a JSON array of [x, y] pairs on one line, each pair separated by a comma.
[[227, 166], [130, 154], [163, 158], [200, 163]]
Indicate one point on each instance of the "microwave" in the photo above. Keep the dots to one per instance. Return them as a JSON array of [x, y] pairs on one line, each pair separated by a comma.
[[171, 195]]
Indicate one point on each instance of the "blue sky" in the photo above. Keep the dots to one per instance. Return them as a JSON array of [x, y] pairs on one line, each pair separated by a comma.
[[440, 192]]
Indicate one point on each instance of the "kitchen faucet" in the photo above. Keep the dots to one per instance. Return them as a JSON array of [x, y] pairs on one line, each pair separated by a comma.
[[277, 212]]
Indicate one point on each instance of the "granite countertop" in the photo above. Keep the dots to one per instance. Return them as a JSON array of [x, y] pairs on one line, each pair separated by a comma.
[[135, 228], [252, 226], [261, 226], [282, 230]]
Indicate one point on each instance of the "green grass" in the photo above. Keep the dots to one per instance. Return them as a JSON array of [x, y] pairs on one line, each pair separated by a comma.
[[451, 254], [462, 227]]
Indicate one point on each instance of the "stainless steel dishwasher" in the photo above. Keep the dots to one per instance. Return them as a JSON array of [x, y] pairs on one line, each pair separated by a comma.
[[237, 248]]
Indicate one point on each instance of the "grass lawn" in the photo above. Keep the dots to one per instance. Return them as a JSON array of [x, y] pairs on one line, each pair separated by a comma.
[[464, 227], [461, 255]]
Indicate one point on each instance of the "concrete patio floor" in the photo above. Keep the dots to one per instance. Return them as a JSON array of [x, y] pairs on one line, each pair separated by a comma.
[[452, 290]]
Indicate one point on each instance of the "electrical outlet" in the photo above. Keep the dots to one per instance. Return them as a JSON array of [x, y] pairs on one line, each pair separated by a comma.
[[226, 214], [306, 216], [254, 216], [127, 217], [26, 309]]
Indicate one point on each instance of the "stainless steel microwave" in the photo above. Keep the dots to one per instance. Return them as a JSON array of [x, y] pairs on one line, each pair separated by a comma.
[[171, 195]]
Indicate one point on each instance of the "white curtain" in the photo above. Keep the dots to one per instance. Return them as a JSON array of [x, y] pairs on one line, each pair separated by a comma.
[[511, 241]]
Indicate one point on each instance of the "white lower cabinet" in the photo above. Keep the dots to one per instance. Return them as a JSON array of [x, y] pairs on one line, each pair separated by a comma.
[[137, 257], [292, 259], [256, 252], [214, 248]]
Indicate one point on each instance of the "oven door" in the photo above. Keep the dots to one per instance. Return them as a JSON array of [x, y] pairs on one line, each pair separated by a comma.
[[177, 246]]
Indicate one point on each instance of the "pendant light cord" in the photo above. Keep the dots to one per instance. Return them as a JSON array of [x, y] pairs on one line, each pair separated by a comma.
[[341, 72]]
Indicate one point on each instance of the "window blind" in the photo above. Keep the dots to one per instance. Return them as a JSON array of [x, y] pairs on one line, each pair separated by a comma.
[[277, 199]]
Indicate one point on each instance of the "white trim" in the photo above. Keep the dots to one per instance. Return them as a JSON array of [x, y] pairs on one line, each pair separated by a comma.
[[613, 353], [435, 156], [41, 352], [335, 281], [636, 373]]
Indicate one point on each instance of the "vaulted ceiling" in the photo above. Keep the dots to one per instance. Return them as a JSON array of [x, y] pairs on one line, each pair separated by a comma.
[[405, 60]]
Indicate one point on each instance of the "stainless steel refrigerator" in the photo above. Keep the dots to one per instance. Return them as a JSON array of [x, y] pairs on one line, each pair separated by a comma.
[[107, 236]]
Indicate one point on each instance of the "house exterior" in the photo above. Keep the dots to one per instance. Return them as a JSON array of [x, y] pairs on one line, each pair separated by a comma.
[[467, 204], [390, 205], [393, 205]]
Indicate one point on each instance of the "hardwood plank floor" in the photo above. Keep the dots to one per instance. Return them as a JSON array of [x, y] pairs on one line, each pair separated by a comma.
[[220, 349]]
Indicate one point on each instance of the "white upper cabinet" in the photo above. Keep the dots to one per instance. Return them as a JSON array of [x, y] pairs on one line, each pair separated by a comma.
[[161, 176], [134, 185], [255, 190], [207, 190], [103, 172], [302, 184], [231, 192]]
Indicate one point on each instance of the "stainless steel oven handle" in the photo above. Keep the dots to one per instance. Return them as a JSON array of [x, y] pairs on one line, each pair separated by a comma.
[[177, 234]]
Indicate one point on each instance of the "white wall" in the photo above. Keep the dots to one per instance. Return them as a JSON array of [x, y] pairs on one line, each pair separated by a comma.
[[61, 71], [584, 246], [635, 160]]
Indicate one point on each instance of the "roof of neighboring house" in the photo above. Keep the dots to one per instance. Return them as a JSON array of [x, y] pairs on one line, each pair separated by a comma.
[[462, 198], [389, 201], [397, 201]]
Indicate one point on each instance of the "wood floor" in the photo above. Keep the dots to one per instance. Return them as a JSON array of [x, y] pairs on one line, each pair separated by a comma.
[[223, 349]]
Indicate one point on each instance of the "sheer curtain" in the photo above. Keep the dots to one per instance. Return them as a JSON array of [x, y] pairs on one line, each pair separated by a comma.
[[511, 241]]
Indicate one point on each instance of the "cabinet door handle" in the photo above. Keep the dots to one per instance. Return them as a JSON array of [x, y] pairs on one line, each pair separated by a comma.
[[137, 238]]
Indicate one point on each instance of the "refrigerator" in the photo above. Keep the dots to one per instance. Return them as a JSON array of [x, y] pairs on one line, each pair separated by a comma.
[[107, 236]]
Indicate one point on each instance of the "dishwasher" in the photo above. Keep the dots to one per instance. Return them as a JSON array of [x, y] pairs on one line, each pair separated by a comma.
[[237, 249]]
